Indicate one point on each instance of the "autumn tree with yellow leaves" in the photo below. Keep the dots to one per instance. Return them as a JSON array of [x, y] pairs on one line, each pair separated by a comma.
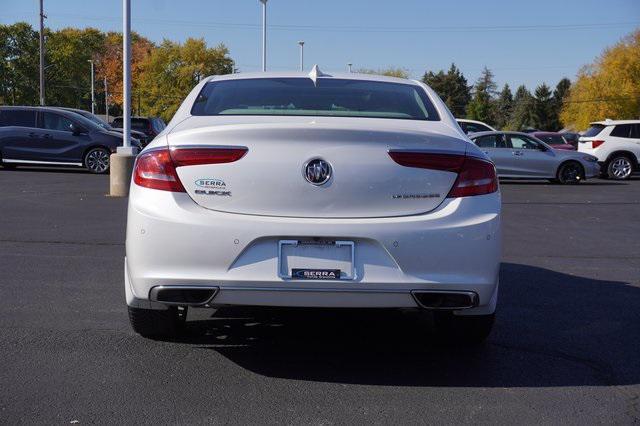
[[608, 88]]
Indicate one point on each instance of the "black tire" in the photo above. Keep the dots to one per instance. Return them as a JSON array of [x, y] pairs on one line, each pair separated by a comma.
[[157, 324], [459, 329], [570, 173], [96, 160], [619, 167]]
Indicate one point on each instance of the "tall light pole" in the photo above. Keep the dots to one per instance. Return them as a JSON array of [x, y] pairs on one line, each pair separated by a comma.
[[126, 73], [42, 16], [264, 34], [301, 43], [349, 65], [93, 98], [121, 163]]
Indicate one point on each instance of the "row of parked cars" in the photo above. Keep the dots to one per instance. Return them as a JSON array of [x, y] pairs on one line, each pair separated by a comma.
[[66, 137], [608, 148], [74, 137]]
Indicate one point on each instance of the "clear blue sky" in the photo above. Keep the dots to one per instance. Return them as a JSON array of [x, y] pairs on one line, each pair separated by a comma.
[[522, 42]]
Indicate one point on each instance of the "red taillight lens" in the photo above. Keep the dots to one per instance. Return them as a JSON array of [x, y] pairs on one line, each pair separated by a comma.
[[475, 175], [157, 169], [198, 156], [426, 160], [595, 144]]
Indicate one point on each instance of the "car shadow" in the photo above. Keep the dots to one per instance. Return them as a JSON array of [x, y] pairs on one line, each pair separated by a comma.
[[25, 169], [592, 182], [552, 329]]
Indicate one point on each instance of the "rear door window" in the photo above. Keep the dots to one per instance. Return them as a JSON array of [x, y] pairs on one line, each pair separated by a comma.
[[18, 118], [490, 141], [622, 131], [51, 121], [139, 124], [522, 142]]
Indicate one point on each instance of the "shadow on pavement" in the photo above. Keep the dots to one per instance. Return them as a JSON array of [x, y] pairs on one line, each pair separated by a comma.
[[552, 329]]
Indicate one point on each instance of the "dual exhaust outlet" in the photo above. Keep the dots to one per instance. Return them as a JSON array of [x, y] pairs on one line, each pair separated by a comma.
[[202, 296]]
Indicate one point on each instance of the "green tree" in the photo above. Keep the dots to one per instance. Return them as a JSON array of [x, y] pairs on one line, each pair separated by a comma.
[[451, 87], [481, 106], [544, 117], [68, 76], [521, 117], [608, 88], [389, 72], [19, 65], [504, 107], [172, 69], [560, 94]]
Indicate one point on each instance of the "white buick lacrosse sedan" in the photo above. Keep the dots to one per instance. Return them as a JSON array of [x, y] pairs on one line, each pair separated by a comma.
[[313, 190]]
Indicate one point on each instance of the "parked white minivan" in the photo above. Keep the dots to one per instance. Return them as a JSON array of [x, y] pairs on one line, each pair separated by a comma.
[[616, 144]]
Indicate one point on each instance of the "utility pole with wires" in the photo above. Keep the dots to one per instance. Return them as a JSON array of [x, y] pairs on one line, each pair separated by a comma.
[[42, 17], [93, 98], [106, 100]]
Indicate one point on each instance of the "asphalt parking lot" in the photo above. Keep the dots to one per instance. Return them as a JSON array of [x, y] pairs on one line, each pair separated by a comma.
[[565, 348]]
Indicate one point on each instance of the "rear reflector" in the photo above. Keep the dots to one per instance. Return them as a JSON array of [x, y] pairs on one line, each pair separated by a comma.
[[156, 169], [595, 144], [475, 175]]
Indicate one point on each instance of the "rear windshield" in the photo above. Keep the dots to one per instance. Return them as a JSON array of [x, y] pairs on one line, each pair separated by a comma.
[[594, 130], [552, 139], [330, 98], [136, 123]]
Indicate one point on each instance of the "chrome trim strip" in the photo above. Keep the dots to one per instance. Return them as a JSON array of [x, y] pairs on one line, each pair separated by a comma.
[[473, 295], [60, 163], [153, 294]]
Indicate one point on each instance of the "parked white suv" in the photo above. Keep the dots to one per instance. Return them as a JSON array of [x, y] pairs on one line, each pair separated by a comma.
[[616, 144]]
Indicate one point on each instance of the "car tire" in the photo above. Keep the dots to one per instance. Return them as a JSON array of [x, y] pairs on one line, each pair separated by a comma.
[[619, 167], [570, 173], [463, 329], [96, 160], [157, 324]]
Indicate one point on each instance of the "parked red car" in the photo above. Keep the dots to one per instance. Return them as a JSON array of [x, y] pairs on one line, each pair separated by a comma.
[[555, 139]]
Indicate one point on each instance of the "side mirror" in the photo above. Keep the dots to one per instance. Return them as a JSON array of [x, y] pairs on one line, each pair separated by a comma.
[[542, 148], [76, 129]]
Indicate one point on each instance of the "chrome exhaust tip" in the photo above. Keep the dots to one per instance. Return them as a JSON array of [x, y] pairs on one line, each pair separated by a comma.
[[445, 300], [183, 295]]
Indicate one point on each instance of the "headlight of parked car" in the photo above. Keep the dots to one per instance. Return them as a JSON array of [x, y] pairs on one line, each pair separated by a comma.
[[590, 158]]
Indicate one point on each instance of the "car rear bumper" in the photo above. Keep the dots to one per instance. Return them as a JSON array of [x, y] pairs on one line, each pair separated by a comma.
[[171, 241]]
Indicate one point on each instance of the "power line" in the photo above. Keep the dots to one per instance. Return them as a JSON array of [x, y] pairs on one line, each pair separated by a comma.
[[364, 29]]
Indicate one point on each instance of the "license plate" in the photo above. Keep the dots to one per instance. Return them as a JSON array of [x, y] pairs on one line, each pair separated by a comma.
[[316, 260]]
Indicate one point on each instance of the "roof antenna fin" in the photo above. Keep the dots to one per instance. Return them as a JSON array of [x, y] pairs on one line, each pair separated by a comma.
[[315, 73]]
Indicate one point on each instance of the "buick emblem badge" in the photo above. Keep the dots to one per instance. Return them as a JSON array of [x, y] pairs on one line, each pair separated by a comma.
[[317, 171]]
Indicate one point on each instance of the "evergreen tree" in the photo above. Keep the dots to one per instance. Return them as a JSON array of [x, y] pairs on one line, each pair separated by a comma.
[[504, 107], [560, 94], [543, 109], [451, 87], [481, 106], [521, 116]]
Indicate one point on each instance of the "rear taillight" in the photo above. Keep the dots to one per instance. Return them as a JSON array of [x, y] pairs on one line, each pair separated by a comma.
[[427, 160], [198, 156], [595, 144], [157, 169], [475, 175]]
